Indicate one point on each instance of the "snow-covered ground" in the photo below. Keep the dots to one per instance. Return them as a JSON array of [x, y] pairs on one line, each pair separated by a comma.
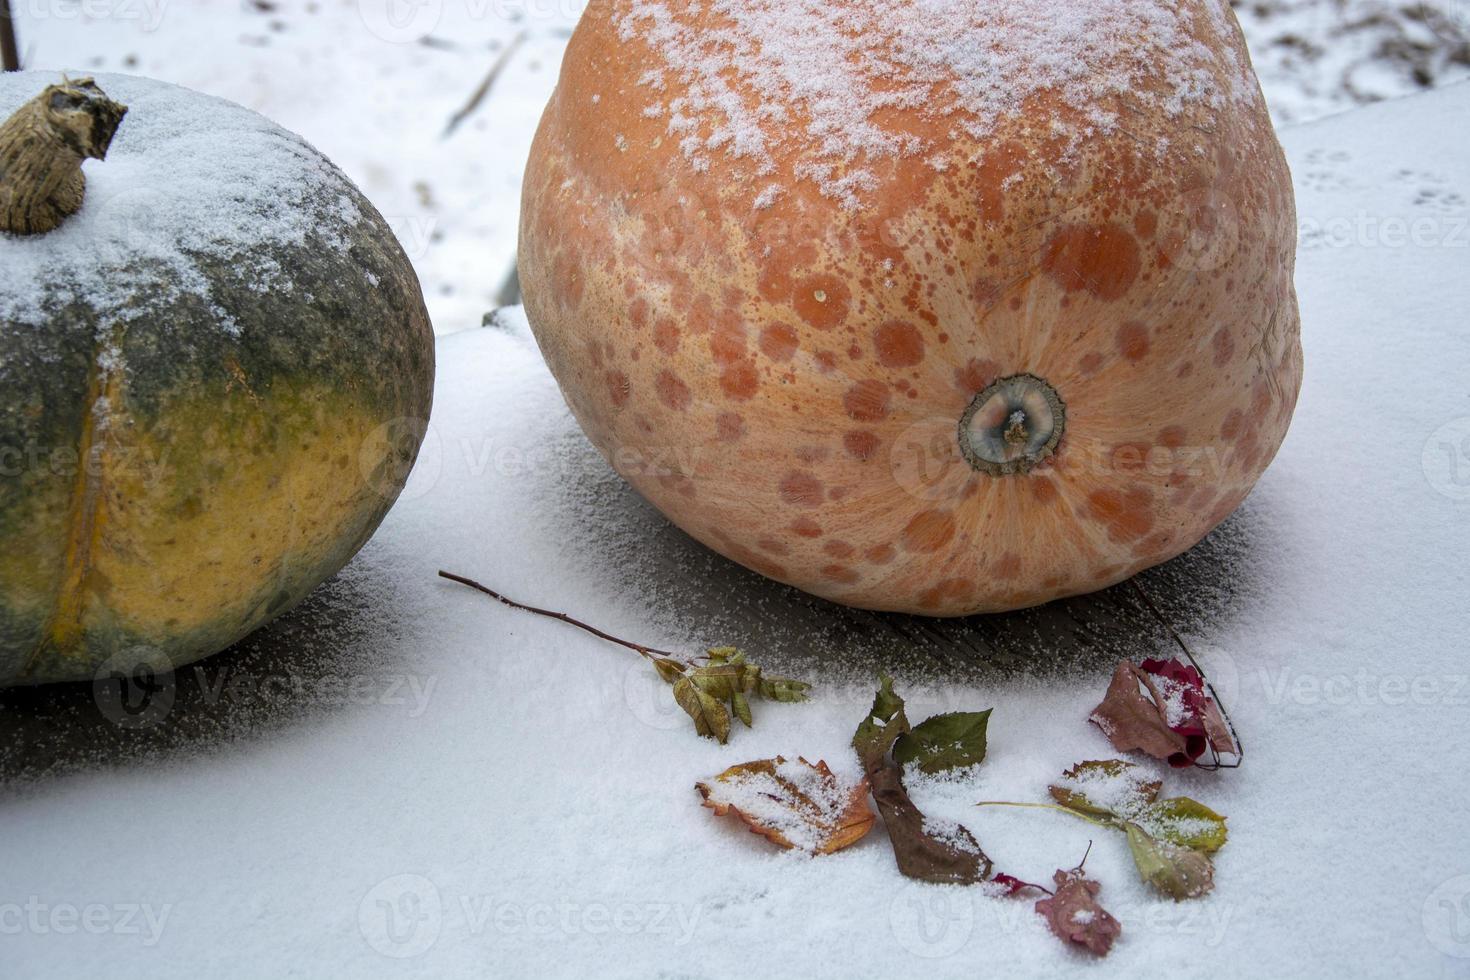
[[404, 778], [375, 83]]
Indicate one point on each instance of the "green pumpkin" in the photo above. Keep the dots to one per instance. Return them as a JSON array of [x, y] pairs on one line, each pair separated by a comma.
[[214, 373]]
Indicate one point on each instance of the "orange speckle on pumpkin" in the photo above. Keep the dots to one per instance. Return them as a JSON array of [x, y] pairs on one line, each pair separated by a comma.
[[880, 554], [838, 549], [618, 388], [976, 376], [671, 391], [899, 344], [821, 300], [860, 444], [1007, 566], [1172, 436], [666, 335], [773, 546], [1043, 489], [1133, 340], [1224, 345], [1127, 516], [740, 381], [1230, 428], [867, 401], [802, 490], [1102, 259], [839, 573], [778, 342], [729, 426], [805, 527], [929, 531]]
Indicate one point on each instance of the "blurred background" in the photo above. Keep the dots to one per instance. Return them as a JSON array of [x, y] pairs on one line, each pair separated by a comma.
[[430, 105]]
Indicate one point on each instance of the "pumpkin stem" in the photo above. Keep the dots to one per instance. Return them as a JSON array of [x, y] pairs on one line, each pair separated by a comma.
[[1012, 425], [42, 148]]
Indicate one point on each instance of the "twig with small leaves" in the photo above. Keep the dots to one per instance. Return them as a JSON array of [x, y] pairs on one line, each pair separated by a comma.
[[709, 692]]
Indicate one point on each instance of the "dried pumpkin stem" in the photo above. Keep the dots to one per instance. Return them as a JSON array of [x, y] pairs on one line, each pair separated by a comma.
[[42, 148], [1012, 426]]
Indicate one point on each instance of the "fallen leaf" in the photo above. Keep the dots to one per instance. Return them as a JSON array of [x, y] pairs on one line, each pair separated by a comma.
[[712, 692], [1185, 822], [1074, 915], [944, 742], [1160, 708], [1177, 871], [885, 722], [710, 717], [925, 849], [1011, 885], [1111, 787], [792, 804]]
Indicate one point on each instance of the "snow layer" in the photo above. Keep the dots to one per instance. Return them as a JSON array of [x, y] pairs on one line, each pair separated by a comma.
[[499, 795], [187, 177], [758, 73]]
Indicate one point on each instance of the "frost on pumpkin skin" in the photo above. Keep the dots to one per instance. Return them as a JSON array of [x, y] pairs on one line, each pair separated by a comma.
[[829, 346]]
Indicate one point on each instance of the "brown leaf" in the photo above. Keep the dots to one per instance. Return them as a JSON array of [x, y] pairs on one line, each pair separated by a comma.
[[925, 849], [1133, 722], [1075, 916], [792, 804], [711, 719]]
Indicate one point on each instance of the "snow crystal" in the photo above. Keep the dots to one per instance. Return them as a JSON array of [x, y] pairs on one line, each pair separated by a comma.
[[821, 74], [188, 176]]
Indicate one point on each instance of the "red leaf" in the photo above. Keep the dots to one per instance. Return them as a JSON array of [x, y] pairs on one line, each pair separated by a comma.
[[1075, 916], [1160, 707], [1014, 885]]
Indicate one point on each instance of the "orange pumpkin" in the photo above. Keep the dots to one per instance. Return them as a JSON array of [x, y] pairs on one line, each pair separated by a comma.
[[943, 307]]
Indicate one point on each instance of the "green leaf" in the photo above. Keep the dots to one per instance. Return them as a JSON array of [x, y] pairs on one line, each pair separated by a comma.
[[669, 670], [783, 689], [1107, 788], [710, 717], [1185, 822], [741, 707], [882, 727], [720, 680], [945, 742], [1176, 871]]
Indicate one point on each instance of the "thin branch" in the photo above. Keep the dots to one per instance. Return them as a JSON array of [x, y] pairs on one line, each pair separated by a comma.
[[486, 85], [9, 50], [646, 651]]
